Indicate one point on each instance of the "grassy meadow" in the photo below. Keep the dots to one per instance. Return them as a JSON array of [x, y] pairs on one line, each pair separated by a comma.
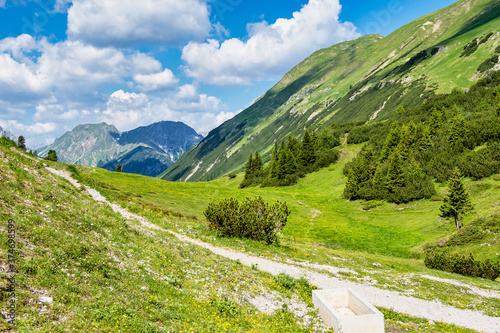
[[319, 213], [104, 274]]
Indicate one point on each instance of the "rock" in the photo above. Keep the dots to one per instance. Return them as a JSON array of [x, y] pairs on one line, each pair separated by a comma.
[[44, 299]]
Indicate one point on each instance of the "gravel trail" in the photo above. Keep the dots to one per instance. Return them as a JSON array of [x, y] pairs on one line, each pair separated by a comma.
[[432, 310]]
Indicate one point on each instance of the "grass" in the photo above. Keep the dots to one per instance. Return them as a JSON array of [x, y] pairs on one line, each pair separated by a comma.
[[319, 213], [392, 236], [106, 274]]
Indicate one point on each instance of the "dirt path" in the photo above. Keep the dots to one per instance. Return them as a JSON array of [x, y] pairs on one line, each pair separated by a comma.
[[431, 310]]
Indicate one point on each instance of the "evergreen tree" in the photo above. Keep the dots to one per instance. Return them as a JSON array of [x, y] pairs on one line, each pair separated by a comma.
[[360, 174], [257, 165], [281, 161], [273, 167], [294, 145], [391, 142], [395, 174], [409, 137], [249, 167], [457, 202], [119, 168], [289, 163], [457, 133], [21, 142], [425, 141], [51, 156], [436, 121], [307, 155]]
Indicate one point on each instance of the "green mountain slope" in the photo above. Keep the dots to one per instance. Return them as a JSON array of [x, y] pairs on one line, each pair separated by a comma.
[[147, 150], [360, 80]]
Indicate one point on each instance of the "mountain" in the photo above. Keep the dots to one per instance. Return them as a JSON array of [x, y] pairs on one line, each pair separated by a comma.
[[4, 132], [361, 80], [147, 150]]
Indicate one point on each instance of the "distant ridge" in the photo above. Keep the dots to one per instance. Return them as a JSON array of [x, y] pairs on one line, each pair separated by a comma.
[[147, 150]]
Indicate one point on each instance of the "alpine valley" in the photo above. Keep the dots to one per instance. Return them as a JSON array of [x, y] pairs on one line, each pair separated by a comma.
[[147, 150], [362, 80]]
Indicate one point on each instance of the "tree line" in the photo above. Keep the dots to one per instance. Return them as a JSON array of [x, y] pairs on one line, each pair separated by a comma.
[[293, 159], [403, 155]]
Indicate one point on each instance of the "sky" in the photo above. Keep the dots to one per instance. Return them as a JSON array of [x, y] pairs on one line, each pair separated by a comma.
[[132, 63]]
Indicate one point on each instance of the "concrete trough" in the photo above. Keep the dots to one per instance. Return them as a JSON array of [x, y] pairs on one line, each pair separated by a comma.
[[345, 311]]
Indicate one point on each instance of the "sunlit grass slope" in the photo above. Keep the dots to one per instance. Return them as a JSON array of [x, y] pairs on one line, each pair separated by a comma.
[[104, 274], [319, 213]]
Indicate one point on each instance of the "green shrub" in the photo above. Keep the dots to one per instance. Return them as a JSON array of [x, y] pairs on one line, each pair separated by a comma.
[[463, 265], [232, 175], [5, 141], [252, 219], [286, 281]]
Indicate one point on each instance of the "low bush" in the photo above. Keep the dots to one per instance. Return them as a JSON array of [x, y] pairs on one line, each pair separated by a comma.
[[232, 175], [463, 265], [252, 219]]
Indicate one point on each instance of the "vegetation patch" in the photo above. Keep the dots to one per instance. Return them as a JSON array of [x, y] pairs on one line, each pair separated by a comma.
[[253, 218], [463, 265]]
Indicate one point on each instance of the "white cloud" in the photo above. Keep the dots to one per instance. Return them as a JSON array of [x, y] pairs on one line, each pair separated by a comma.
[[69, 71], [62, 5], [22, 129], [270, 49], [129, 110], [132, 22], [2, 3], [157, 81]]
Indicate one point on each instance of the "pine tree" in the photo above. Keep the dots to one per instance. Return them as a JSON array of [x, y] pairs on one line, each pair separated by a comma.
[[391, 142], [21, 142], [257, 164], [294, 145], [273, 167], [395, 174], [409, 137], [281, 161], [425, 141], [249, 167], [119, 168], [307, 155], [360, 174], [436, 121], [457, 203], [457, 133], [289, 163], [51, 156]]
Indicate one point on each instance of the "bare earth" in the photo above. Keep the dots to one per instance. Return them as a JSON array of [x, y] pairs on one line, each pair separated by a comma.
[[388, 299]]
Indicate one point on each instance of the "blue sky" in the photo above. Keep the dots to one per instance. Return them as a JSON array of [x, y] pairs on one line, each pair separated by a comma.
[[131, 63]]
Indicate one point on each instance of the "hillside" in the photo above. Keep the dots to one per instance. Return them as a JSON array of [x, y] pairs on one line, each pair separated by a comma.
[[147, 150], [82, 267], [360, 80]]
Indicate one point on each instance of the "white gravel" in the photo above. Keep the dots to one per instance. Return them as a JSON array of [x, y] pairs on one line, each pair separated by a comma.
[[431, 310]]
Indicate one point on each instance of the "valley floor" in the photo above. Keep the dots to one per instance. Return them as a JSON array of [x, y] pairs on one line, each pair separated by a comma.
[[324, 277]]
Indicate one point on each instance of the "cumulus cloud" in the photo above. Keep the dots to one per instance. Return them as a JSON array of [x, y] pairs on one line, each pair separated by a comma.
[[35, 128], [71, 70], [128, 110], [131, 22], [157, 81], [270, 49]]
